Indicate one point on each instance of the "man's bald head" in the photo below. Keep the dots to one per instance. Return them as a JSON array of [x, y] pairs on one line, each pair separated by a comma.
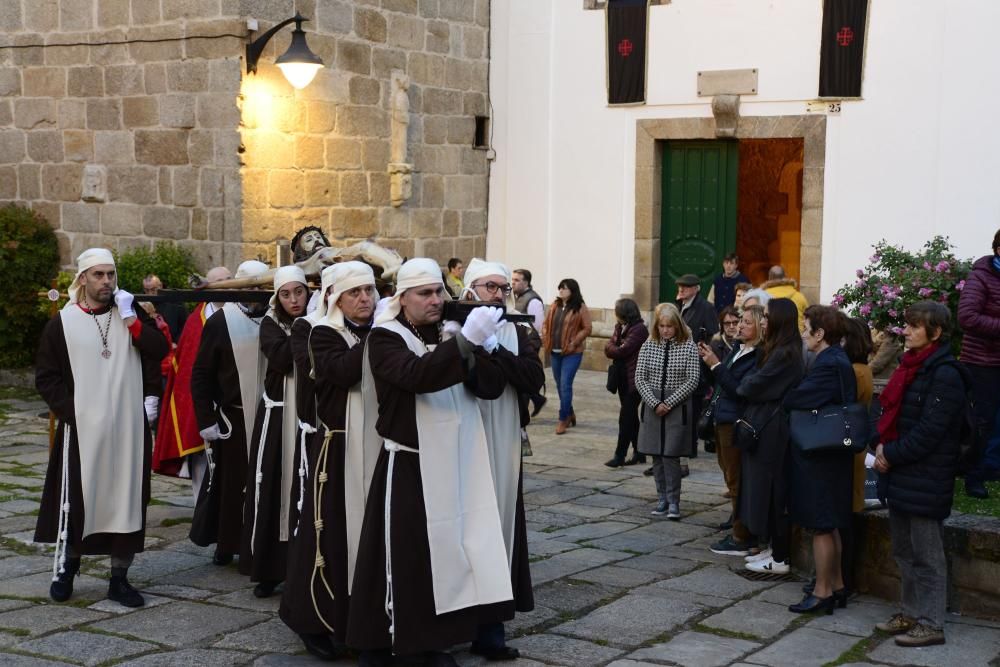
[[152, 284], [775, 273], [218, 273]]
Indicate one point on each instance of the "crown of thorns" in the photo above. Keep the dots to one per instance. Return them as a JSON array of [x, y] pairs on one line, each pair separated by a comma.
[[301, 232]]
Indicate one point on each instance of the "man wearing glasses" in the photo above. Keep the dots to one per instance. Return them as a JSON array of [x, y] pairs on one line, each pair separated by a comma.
[[503, 419]]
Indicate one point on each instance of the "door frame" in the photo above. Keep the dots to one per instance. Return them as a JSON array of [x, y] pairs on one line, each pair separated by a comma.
[[651, 138]]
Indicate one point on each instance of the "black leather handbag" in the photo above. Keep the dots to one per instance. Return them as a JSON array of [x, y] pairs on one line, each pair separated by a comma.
[[706, 420], [832, 428], [614, 378]]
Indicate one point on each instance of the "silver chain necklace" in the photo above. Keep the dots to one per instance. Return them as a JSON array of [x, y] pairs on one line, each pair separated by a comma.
[[413, 328], [106, 353]]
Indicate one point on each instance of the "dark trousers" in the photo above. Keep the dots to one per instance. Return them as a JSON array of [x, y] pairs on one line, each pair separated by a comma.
[[986, 389], [489, 636], [918, 547], [730, 462], [628, 422]]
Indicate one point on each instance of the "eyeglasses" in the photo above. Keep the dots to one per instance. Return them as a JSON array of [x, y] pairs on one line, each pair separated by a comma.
[[492, 287], [730, 323]]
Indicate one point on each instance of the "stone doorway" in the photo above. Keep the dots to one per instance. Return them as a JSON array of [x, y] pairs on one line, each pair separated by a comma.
[[651, 138]]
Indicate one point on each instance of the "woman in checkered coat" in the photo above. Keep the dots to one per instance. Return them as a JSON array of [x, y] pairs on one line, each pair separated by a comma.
[[666, 375]]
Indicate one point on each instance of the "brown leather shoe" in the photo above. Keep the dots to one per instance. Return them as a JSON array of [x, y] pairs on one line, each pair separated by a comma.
[[921, 635], [897, 625], [562, 426]]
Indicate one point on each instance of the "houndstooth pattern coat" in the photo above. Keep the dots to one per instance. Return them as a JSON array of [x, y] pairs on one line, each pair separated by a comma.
[[666, 372]]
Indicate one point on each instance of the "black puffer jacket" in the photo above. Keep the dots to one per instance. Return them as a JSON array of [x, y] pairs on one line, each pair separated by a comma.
[[728, 376], [923, 459]]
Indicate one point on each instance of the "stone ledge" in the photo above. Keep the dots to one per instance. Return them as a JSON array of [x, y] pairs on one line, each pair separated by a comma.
[[972, 547]]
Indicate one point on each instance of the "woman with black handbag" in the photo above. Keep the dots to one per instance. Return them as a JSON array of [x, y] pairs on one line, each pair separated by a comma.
[[761, 433], [821, 481], [623, 350], [727, 406], [666, 375]]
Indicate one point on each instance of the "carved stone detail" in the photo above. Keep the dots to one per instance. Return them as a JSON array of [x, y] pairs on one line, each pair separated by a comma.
[[726, 109]]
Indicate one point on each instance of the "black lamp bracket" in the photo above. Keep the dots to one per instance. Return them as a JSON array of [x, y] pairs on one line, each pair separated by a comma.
[[256, 47]]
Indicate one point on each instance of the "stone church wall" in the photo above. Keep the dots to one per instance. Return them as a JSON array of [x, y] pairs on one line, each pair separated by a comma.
[[123, 145]]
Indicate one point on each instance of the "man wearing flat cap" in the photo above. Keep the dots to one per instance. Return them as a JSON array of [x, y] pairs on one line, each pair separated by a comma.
[[432, 563], [90, 370]]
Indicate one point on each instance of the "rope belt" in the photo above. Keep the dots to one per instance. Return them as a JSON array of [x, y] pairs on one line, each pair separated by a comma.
[[62, 536], [320, 478], [208, 450], [393, 448], [259, 476], [305, 430]]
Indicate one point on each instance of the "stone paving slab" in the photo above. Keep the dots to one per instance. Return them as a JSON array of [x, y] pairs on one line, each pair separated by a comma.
[[195, 657], [544, 547], [571, 562], [580, 510], [181, 624], [762, 620], [182, 592], [85, 647], [651, 537], [609, 500], [618, 576], [272, 636], [697, 649], [715, 581], [35, 586], [18, 566], [632, 620], [556, 650], [967, 646], [245, 599], [660, 564], [112, 607], [857, 619], [43, 618], [212, 577], [804, 646], [15, 660], [571, 596], [156, 564], [590, 531]]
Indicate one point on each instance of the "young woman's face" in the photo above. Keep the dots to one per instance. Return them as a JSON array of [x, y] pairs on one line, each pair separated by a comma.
[[564, 293], [666, 328]]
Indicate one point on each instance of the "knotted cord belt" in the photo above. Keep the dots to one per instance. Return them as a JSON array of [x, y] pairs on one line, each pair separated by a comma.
[[259, 476], [62, 536], [305, 430], [320, 478], [391, 447]]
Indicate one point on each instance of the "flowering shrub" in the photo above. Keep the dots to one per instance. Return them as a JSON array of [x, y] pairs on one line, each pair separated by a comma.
[[895, 279]]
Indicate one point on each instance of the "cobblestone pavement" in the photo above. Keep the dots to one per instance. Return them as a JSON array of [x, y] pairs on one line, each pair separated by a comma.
[[613, 585]]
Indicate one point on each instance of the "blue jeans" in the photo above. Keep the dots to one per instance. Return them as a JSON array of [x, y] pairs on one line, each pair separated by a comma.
[[564, 368]]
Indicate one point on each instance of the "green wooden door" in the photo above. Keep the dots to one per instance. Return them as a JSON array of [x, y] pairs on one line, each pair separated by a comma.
[[699, 211]]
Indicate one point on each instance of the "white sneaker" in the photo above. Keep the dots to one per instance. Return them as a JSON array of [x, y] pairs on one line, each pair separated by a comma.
[[768, 566], [753, 558]]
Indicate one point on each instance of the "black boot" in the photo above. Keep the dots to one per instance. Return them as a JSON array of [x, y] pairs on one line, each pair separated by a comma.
[[62, 588], [121, 591], [265, 589], [221, 558], [321, 646]]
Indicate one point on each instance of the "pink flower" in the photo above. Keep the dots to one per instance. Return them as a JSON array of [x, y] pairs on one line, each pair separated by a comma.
[[860, 273], [942, 266], [838, 300], [927, 265], [896, 330], [893, 313], [925, 292], [859, 283], [960, 286], [866, 309], [873, 259]]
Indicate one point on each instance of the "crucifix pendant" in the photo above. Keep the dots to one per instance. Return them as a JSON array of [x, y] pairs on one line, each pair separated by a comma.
[[106, 353]]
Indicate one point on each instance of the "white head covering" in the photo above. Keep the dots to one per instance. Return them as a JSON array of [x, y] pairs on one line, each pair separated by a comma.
[[88, 259], [326, 281], [250, 268], [346, 276], [283, 276], [414, 273], [480, 268]]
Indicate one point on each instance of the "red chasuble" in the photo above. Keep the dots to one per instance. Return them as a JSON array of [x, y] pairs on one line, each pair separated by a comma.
[[178, 433]]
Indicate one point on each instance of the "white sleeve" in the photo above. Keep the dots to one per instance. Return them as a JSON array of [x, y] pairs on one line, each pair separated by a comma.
[[537, 310]]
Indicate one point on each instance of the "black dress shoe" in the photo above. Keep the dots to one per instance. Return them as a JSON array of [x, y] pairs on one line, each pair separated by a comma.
[[321, 646], [222, 558], [539, 402], [62, 588], [377, 658], [811, 604], [615, 463], [122, 592], [497, 653], [439, 659], [685, 471], [841, 597], [265, 589], [648, 472]]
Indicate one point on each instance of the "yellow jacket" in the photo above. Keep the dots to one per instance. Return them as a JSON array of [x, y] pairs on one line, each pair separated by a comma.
[[785, 288]]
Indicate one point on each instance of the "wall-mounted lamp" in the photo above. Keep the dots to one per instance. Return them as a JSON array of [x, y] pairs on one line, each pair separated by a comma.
[[299, 64]]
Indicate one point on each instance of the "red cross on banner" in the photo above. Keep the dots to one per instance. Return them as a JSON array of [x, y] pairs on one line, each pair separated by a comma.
[[626, 22], [845, 36]]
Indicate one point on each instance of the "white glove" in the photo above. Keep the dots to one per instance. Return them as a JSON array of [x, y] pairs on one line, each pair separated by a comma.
[[124, 301], [211, 433], [313, 302], [450, 329], [152, 405], [491, 343], [481, 323]]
